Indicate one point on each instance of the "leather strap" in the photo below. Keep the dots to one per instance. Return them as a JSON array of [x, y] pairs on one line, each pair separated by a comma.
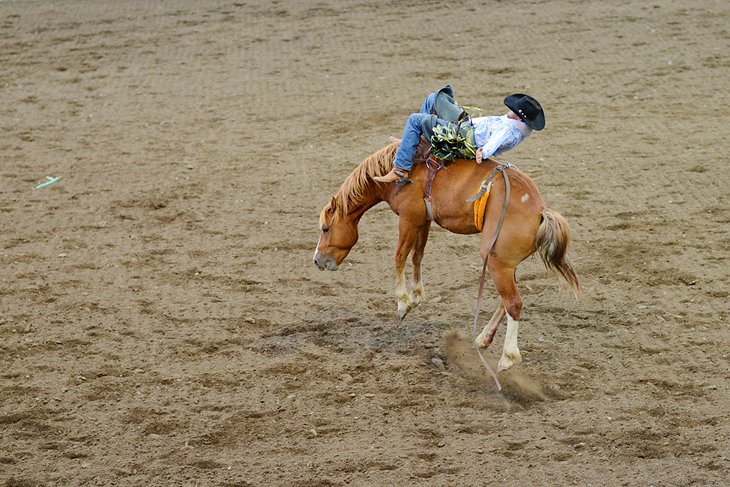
[[485, 184], [491, 244], [434, 165], [501, 168]]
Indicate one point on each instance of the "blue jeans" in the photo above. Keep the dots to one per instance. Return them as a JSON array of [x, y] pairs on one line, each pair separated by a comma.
[[440, 108]]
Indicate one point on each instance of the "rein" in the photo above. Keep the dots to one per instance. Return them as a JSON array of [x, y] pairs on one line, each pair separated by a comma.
[[503, 169], [434, 165]]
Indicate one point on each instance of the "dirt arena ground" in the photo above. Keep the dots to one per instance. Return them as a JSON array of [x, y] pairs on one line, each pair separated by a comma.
[[161, 322]]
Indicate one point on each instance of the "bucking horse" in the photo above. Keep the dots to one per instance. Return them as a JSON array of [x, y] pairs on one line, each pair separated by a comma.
[[509, 212]]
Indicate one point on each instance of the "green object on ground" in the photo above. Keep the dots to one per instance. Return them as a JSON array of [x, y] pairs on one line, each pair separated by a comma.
[[50, 181]]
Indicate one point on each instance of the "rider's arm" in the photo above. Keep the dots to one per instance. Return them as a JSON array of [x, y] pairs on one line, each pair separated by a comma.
[[505, 138]]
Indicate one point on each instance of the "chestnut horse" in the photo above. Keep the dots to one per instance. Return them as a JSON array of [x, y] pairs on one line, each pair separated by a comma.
[[528, 226]]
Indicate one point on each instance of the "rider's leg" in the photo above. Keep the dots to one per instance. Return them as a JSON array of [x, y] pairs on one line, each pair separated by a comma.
[[411, 138]]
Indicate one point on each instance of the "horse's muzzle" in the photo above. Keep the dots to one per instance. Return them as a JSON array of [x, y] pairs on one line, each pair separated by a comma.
[[324, 261]]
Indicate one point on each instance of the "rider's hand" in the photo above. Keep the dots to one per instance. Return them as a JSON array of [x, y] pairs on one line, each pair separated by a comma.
[[479, 156]]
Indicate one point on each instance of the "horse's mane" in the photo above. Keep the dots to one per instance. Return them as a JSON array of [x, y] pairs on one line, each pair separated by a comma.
[[359, 183]]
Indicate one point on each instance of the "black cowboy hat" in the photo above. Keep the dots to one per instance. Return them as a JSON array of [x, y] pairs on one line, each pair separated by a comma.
[[528, 109]]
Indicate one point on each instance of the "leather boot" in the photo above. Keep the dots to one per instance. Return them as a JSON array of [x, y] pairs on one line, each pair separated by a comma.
[[395, 175]]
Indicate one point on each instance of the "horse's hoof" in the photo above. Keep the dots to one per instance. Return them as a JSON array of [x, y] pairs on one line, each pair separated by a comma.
[[403, 310], [504, 364], [404, 305], [402, 313], [481, 342], [508, 361]]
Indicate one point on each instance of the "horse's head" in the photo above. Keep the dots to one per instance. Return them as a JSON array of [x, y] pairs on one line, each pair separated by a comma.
[[337, 235]]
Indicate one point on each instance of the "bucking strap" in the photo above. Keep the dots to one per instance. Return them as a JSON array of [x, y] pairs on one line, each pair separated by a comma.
[[487, 182]]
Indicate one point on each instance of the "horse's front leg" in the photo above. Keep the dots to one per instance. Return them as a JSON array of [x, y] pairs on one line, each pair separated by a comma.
[[417, 285], [407, 236]]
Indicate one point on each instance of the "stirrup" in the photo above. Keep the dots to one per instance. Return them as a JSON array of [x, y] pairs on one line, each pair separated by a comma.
[[403, 181]]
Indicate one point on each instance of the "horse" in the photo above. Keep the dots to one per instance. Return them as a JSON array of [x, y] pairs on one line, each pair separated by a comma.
[[526, 226]]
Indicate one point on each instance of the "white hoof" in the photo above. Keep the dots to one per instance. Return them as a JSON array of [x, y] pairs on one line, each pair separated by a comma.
[[508, 361], [403, 311], [404, 306], [481, 341]]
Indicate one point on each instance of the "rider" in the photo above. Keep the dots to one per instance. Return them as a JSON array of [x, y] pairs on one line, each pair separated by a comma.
[[491, 135]]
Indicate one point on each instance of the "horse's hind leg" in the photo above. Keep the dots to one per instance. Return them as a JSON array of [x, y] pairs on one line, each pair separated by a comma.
[[487, 335], [504, 281], [510, 352], [418, 249]]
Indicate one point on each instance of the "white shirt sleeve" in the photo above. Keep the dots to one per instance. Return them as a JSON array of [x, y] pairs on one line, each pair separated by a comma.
[[496, 140]]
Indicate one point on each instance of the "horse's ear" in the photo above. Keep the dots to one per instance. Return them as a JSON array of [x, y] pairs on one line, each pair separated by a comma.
[[333, 203]]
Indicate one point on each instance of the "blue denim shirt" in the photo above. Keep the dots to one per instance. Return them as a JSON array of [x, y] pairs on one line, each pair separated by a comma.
[[495, 135]]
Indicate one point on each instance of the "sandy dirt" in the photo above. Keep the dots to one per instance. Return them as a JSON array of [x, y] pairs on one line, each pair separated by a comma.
[[161, 322]]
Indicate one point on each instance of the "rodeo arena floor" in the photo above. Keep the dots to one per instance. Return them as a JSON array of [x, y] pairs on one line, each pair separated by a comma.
[[163, 166]]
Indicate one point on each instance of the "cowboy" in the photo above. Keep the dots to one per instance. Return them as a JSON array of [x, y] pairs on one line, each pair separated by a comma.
[[491, 135]]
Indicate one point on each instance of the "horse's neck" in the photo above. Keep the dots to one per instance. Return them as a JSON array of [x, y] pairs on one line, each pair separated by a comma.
[[363, 204]]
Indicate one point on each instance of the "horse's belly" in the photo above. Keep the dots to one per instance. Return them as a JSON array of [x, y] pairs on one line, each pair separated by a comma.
[[455, 220]]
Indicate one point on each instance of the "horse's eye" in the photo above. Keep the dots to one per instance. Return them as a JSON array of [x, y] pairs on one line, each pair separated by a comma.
[[325, 229]]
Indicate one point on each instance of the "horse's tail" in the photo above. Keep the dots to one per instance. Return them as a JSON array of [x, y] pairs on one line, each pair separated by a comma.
[[552, 240]]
